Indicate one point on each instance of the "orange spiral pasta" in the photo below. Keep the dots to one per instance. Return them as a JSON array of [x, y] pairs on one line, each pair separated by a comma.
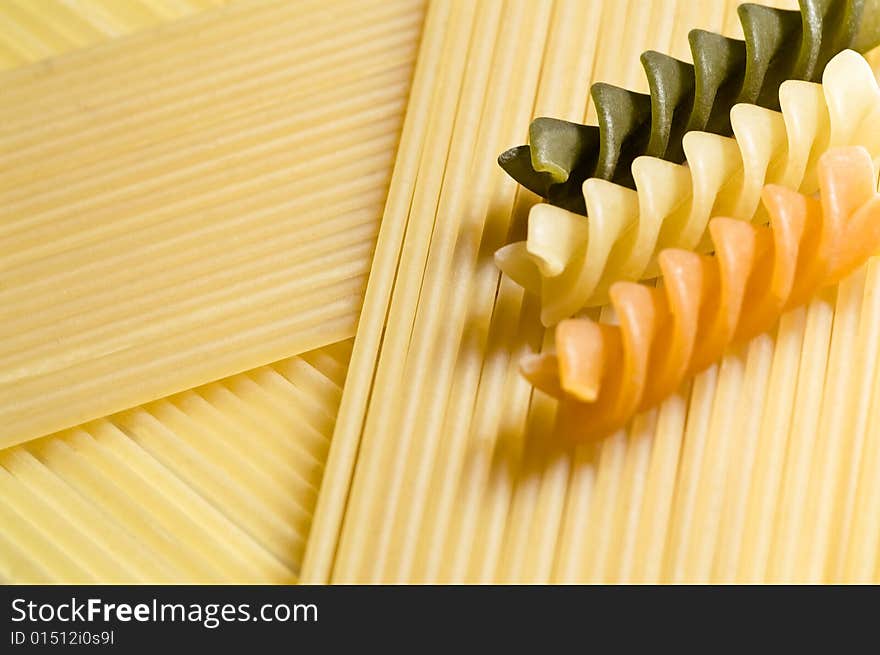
[[606, 373]]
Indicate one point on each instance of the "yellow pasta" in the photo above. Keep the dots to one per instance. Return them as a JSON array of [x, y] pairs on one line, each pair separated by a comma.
[[453, 474], [442, 467], [172, 212], [570, 261], [31, 30], [217, 484]]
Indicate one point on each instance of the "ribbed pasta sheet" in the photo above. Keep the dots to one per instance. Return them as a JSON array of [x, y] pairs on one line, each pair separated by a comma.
[[764, 469], [191, 202], [213, 485], [31, 30]]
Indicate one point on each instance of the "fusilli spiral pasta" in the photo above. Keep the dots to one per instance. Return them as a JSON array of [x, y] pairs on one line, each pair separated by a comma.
[[606, 373], [571, 261]]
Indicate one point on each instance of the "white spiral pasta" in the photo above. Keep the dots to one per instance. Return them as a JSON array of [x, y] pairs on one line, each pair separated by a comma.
[[570, 260]]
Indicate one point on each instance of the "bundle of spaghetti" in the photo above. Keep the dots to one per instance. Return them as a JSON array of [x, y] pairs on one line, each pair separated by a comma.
[[170, 208], [31, 31], [214, 485], [434, 412], [779, 45], [707, 302], [570, 261], [455, 476], [186, 471]]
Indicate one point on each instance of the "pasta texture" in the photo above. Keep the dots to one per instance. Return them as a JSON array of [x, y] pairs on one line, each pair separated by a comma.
[[707, 302], [443, 466], [571, 261], [779, 45], [214, 485], [170, 216], [31, 31]]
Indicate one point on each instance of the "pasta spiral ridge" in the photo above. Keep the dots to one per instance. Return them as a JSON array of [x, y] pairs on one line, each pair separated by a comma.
[[605, 373], [779, 45], [570, 261]]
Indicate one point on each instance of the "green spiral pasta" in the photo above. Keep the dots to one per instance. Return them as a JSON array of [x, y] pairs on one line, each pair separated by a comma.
[[779, 45]]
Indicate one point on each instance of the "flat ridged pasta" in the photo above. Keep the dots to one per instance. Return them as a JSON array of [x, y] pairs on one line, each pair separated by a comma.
[[708, 302], [169, 214], [214, 485], [779, 45], [570, 261]]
